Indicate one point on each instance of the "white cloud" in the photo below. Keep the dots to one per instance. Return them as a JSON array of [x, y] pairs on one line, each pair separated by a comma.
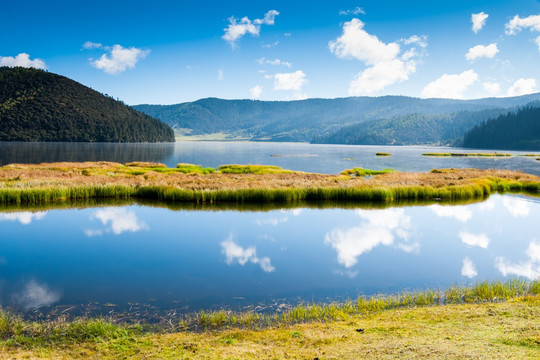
[[289, 81], [92, 45], [24, 217], [275, 43], [468, 269], [522, 87], [23, 60], [492, 88], [220, 75], [256, 91], [480, 51], [529, 269], [234, 253], [478, 21], [480, 240], [517, 207], [263, 61], [356, 11], [235, 30], [461, 213], [380, 228], [121, 220], [119, 59], [517, 23], [450, 86], [35, 295], [385, 66]]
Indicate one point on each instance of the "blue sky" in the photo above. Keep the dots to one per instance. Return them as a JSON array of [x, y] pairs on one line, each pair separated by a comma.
[[166, 52]]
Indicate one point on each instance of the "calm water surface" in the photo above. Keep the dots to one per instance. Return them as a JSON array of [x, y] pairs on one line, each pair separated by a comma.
[[117, 256], [328, 159]]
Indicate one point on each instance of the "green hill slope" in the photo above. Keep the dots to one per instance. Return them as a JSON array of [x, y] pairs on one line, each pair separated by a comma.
[[512, 131], [305, 120], [36, 105]]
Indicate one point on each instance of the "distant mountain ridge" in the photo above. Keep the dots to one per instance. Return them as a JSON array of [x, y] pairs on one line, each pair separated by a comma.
[[306, 120], [36, 105]]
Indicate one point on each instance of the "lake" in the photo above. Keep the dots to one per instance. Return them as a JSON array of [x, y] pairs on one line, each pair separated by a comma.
[[329, 159], [149, 259]]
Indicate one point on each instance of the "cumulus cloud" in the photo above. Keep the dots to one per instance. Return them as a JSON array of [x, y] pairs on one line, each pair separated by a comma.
[[492, 88], [529, 269], [380, 228], [478, 21], [119, 59], [468, 269], [35, 295], [263, 61], [522, 87], [256, 91], [450, 86], [289, 81], [238, 28], [517, 23], [23, 60], [480, 51], [234, 253], [356, 11], [480, 240], [461, 213], [24, 217], [384, 64], [120, 219], [517, 207]]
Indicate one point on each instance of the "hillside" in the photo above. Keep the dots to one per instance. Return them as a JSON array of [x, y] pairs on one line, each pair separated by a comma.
[[36, 105], [512, 131], [305, 120], [411, 129]]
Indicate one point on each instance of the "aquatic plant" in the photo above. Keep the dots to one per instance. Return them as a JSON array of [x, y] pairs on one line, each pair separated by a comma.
[[494, 154], [252, 169], [382, 154], [365, 172]]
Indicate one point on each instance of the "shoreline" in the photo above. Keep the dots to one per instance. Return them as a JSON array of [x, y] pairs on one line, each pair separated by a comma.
[[255, 184]]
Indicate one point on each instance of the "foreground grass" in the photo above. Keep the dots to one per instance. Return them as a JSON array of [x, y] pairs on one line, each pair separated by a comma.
[[480, 326], [239, 184]]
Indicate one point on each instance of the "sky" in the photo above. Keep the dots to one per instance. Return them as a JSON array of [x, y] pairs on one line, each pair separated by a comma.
[[168, 52]]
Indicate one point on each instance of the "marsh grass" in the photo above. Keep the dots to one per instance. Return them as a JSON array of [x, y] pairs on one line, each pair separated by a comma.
[[252, 169], [361, 172], [382, 154]]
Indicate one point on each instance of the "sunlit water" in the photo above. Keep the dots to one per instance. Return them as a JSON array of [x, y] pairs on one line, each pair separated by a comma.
[[328, 159], [115, 256]]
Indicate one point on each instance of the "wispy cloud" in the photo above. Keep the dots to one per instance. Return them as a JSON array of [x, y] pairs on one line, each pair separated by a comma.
[[23, 60], [234, 253], [356, 11], [238, 28], [277, 62]]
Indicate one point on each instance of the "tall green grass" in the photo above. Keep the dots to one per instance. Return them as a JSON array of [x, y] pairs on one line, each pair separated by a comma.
[[479, 189], [365, 172], [252, 169]]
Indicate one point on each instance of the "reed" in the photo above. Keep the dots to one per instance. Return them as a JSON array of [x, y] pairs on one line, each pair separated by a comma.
[[494, 154], [361, 172], [252, 169], [382, 154]]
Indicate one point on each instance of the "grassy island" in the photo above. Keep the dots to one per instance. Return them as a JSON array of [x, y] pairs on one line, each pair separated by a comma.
[[56, 182]]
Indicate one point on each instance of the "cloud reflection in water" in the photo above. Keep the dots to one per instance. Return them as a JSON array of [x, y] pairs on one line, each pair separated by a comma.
[[24, 217], [235, 253], [120, 219]]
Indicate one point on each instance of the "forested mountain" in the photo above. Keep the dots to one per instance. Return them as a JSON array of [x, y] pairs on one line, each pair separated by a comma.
[[512, 131], [411, 129], [36, 105], [305, 120]]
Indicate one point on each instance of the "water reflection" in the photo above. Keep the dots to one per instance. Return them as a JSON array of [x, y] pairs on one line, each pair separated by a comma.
[[35, 295], [234, 253], [516, 207], [379, 228], [480, 240], [121, 220], [460, 213], [24, 217], [468, 269], [529, 269]]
